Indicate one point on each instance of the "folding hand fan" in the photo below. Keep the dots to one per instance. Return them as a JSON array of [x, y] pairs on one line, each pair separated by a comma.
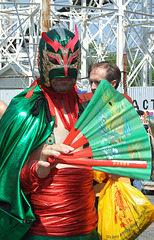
[[118, 142]]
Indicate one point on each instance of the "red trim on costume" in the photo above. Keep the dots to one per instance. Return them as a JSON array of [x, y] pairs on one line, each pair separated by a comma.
[[30, 91], [56, 45], [60, 101], [66, 71]]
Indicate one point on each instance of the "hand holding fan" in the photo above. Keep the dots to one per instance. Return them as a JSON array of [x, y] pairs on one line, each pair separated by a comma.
[[118, 142]]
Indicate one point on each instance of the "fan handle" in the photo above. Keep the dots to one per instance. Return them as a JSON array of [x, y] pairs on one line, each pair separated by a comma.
[[100, 162]]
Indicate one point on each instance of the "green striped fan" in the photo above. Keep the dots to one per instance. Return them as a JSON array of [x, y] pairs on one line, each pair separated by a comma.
[[117, 140]]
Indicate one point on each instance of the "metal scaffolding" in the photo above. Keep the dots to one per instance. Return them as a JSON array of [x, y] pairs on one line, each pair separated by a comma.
[[120, 31]]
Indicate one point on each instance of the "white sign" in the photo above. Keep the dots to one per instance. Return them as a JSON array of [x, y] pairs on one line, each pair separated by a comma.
[[143, 97], [144, 104]]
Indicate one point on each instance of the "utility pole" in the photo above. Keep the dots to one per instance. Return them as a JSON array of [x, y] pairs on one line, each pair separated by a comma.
[[45, 15], [125, 73]]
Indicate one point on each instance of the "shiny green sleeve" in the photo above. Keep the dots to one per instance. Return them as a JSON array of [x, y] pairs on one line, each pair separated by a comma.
[[20, 134]]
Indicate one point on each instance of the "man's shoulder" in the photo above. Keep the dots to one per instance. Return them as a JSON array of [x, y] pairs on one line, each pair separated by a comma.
[[128, 98], [85, 96]]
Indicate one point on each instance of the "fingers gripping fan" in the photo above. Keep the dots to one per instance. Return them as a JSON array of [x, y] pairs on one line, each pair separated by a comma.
[[118, 142]]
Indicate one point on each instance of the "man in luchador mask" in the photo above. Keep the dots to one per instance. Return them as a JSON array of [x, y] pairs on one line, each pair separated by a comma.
[[39, 200]]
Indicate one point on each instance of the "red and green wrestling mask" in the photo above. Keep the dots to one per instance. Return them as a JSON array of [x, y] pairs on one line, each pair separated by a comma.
[[59, 54]]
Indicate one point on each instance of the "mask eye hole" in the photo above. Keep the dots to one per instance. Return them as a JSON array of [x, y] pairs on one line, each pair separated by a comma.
[[74, 60], [53, 60]]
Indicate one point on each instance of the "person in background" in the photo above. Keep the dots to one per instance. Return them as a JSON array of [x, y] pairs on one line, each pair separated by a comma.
[[52, 201], [111, 73], [3, 107]]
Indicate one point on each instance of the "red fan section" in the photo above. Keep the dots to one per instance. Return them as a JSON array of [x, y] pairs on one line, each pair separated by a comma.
[[83, 157]]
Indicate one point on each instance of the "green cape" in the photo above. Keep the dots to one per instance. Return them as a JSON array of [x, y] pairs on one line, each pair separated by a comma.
[[20, 134]]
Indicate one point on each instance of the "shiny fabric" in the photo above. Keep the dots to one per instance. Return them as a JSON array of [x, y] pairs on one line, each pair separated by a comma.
[[90, 236], [20, 134], [58, 100], [63, 202]]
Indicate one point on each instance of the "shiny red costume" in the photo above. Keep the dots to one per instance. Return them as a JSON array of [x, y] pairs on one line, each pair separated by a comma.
[[63, 202], [56, 204]]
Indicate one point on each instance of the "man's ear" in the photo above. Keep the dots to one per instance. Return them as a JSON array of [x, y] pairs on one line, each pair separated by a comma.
[[114, 83]]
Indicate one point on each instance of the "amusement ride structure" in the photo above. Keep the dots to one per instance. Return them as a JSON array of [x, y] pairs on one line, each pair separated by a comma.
[[120, 31]]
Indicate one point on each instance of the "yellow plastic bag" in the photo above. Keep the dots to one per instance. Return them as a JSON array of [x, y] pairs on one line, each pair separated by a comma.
[[124, 212]]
